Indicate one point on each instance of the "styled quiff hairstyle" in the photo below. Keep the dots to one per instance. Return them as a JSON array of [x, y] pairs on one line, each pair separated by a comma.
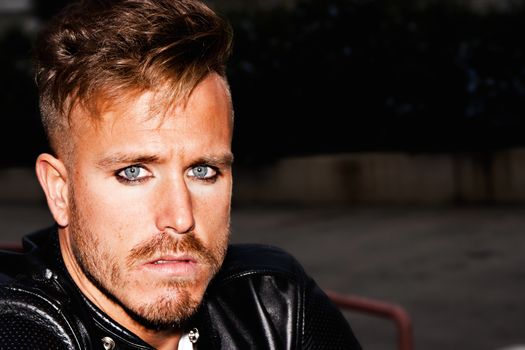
[[105, 49]]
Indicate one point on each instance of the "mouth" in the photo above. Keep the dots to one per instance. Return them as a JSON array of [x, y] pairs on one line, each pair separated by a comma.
[[175, 265], [167, 259]]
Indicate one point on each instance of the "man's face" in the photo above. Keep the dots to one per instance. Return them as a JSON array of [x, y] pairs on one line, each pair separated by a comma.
[[149, 200]]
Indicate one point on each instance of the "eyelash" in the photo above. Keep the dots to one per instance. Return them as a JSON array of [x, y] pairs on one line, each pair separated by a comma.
[[210, 179], [137, 181], [126, 181]]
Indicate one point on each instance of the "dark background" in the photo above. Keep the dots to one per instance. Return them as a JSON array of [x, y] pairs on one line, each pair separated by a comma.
[[337, 76]]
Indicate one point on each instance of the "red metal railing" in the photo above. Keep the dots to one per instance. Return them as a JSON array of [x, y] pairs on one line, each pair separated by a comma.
[[378, 308]]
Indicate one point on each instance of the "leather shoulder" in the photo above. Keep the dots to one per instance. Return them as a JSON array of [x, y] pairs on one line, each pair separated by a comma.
[[34, 316], [254, 301], [262, 295]]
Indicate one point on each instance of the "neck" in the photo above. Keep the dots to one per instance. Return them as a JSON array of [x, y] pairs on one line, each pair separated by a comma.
[[158, 339]]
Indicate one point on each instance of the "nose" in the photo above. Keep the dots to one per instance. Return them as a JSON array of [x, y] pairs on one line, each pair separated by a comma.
[[175, 212]]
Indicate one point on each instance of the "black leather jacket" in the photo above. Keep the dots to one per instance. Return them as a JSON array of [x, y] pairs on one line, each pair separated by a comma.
[[261, 299]]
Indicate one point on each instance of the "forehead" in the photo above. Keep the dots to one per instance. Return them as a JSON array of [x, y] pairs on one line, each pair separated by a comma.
[[145, 123], [209, 105]]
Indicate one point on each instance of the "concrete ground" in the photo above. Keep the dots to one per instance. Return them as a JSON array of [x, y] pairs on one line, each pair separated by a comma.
[[459, 272]]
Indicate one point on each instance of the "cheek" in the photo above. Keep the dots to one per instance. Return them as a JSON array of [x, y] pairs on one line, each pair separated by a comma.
[[211, 209], [108, 209]]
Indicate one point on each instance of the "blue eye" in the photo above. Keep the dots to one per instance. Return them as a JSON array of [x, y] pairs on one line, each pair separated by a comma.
[[133, 174], [203, 172], [200, 171]]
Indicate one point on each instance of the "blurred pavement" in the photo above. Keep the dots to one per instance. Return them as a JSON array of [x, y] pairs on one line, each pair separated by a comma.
[[459, 272]]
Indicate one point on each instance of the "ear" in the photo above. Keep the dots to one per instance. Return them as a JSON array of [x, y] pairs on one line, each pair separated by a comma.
[[52, 175]]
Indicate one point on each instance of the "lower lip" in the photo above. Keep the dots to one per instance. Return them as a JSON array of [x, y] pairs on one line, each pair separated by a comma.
[[173, 267]]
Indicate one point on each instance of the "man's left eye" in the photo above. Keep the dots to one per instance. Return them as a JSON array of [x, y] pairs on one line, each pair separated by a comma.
[[202, 172]]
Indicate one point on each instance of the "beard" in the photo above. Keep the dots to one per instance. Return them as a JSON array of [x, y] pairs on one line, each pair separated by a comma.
[[176, 305]]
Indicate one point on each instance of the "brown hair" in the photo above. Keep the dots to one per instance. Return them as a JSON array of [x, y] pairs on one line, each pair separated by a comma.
[[105, 48]]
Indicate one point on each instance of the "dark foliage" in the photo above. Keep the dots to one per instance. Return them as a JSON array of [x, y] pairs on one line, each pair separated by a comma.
[[22, 136], [342, 76]]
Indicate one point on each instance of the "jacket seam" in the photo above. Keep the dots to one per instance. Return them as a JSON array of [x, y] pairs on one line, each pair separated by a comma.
[[238, 275]]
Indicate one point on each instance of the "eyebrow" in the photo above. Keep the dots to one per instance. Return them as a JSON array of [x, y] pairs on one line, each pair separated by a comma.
[[121, 158], [225, 160]]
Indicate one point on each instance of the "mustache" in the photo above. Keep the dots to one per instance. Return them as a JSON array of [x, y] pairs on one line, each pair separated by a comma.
[[164, 243]]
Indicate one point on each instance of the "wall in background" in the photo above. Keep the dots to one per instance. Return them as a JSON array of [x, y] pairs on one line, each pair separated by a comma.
[[496, 177]]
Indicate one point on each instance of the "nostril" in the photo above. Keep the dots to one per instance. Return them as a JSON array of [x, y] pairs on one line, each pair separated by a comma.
[[178, 229]]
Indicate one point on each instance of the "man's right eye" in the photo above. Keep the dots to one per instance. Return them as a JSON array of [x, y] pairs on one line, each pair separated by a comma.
[[133, 174]]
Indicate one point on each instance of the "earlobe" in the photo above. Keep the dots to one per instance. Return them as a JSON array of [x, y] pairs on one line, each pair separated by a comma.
[[52, 175]]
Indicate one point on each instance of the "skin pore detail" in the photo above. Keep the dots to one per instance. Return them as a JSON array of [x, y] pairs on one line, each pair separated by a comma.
[[148, 209]]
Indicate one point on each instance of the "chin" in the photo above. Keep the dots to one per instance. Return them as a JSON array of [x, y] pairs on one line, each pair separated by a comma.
[[170, 309]]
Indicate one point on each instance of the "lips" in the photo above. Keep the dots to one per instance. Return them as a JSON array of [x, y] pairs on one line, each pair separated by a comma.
[[172, 259], [175, 265]]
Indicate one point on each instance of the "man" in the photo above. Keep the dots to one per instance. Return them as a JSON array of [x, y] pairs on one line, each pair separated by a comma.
[[138, 113]]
